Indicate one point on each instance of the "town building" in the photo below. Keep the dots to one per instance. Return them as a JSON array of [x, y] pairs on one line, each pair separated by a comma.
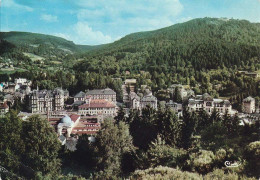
[[248, 105], [148, 100], [185, 92], [43, 101], [134, 101], [4, 108], [250, 74], [98, 107], [66, 125], [176, 107], [207, 103], [23, 81], [80, 96], [107, 94], [130, 83]]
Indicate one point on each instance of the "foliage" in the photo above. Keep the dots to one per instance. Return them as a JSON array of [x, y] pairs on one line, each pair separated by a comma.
[[161, 154], [41, 146], [11, 141], [143, 128], [112, 142], [169, 126], [252, 155], [214, 136], [161, 172], [219, 174], [202, 161]]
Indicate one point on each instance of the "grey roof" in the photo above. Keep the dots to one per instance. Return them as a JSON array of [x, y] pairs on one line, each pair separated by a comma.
[[149, 98], [58, 91], [78, 103], [80, 95], [71, 144], [133, 95], [195, 101], [62, 138], [106, 91], [207, 97], [46, 93], [248, 99]]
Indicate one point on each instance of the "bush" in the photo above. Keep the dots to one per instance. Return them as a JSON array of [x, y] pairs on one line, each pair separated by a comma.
[[162, 172], [219, 174], [202, 161], [252, 156]]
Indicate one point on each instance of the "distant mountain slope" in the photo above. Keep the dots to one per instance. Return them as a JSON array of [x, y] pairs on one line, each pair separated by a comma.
[[200, 43], [35, 39]]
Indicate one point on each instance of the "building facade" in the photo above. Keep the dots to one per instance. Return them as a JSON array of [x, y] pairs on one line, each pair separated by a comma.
[[148, 100], [207, 103], [43, 101], [4, 108], [176, 107], [107, 94], [98, 107], [248, 105]]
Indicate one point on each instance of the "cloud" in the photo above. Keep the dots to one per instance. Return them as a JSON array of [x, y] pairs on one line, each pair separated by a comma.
[[12, 4], [49, 18], [146, 13], [86, 35], [65, 36]]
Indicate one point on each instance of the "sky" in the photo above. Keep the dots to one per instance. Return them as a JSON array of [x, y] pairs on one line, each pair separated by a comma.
[[92, 22]]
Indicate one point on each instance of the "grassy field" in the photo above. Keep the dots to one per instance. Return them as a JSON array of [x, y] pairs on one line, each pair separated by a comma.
[[34, 57], [11, 70]]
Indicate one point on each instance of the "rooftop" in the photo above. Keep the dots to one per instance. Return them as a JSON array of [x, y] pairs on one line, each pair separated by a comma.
[[80, 95], [106, 91], [98, 103], [4, 106]]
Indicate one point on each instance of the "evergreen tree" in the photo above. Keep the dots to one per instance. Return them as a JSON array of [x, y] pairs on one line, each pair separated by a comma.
[[189, 126], [169, 126], [143, 128], [177, 95], [84, 155], [252, 156], [112, 142], [120, 115], [11, 141], [41, 146]]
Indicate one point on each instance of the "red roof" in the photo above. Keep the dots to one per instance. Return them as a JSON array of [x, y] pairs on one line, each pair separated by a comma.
[[85, 128], [84, 132], [74, 117], [98, 103], [4, 106]]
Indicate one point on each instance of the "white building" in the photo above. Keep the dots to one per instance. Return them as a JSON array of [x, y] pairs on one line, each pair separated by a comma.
[[44, 101], [148, 100], [176, 107], [98, 107], [248, 105], [207, 103], [107, 94]]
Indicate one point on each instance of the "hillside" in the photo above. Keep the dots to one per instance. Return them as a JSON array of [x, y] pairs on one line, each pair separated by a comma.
[[200, 43], [25, 50], [35, 40]]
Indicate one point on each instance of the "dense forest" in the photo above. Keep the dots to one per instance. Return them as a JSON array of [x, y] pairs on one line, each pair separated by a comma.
[[156, 145], [205, 54]]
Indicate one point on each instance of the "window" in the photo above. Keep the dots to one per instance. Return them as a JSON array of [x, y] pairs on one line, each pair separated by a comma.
[[208, 104]]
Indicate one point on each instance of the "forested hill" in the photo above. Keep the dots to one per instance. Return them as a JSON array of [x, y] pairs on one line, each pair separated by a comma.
[[34, 40], [201, 43]]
